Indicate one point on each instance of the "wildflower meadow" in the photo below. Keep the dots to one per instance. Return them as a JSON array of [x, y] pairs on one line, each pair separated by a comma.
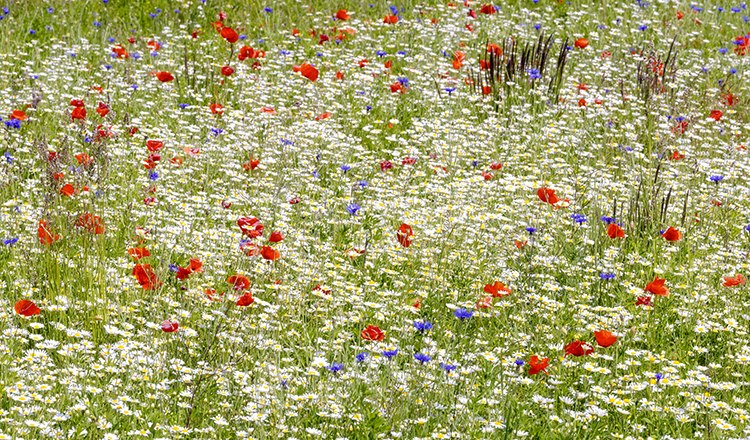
[[412, 219]]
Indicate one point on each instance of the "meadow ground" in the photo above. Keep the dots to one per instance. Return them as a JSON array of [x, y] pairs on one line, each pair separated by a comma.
[[344, 220]]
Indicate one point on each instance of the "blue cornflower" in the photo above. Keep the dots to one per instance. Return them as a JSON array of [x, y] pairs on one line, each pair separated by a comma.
[[243, 37], [423, 358], [716, 178], [537, 26], [136, 56], [475, 163], [360, 357], [747, 228], [353, 208], [390, 353], [381, 53], [345, 168], [606, 276], [51, 10], [13, 123], [97, 24], [315, 174], [723, 50], [32, 32], [450, 90], [422, 326], [153, 175], [531, 230], [216, 131], [519, 362], [448, 367], [658, 377], [335, 367], [362, 184], [394, 10], [268, 10], [403, 80], [642, 27], [10, 241], [184, 106], [578, 218], [463, 314], [8, 157], [173, 267]]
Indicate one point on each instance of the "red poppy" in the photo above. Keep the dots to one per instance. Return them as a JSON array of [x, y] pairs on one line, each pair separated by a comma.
[[405, 235], [164, 76], [605, 338], [581, 43], [27, 308], [92, 223], [216, 108], [169, 326], [547, 195], [676, 155], [18, 115], [78, 113], [84, 159], [386, 165], [250, 226], [253, 164], [342, 15], [520, 244], [323, 116], [397, 87], [390, 19], [245, 300], [372, 333], [229, 34], [487, 9], [275, 237], [578, 348], [537, 365], [138, 253], [67, 190], [227, 70], [308, 71], [239, 282], [672, 234], [120, 52], [269, 253], [615, 231], [715, 115], [46, 235], [657, 287], [195, 265], [728, 99], [146, 277], [497, 290], [736, 280], [102, 109], [154, 145], [644, 300], [339, 76]]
